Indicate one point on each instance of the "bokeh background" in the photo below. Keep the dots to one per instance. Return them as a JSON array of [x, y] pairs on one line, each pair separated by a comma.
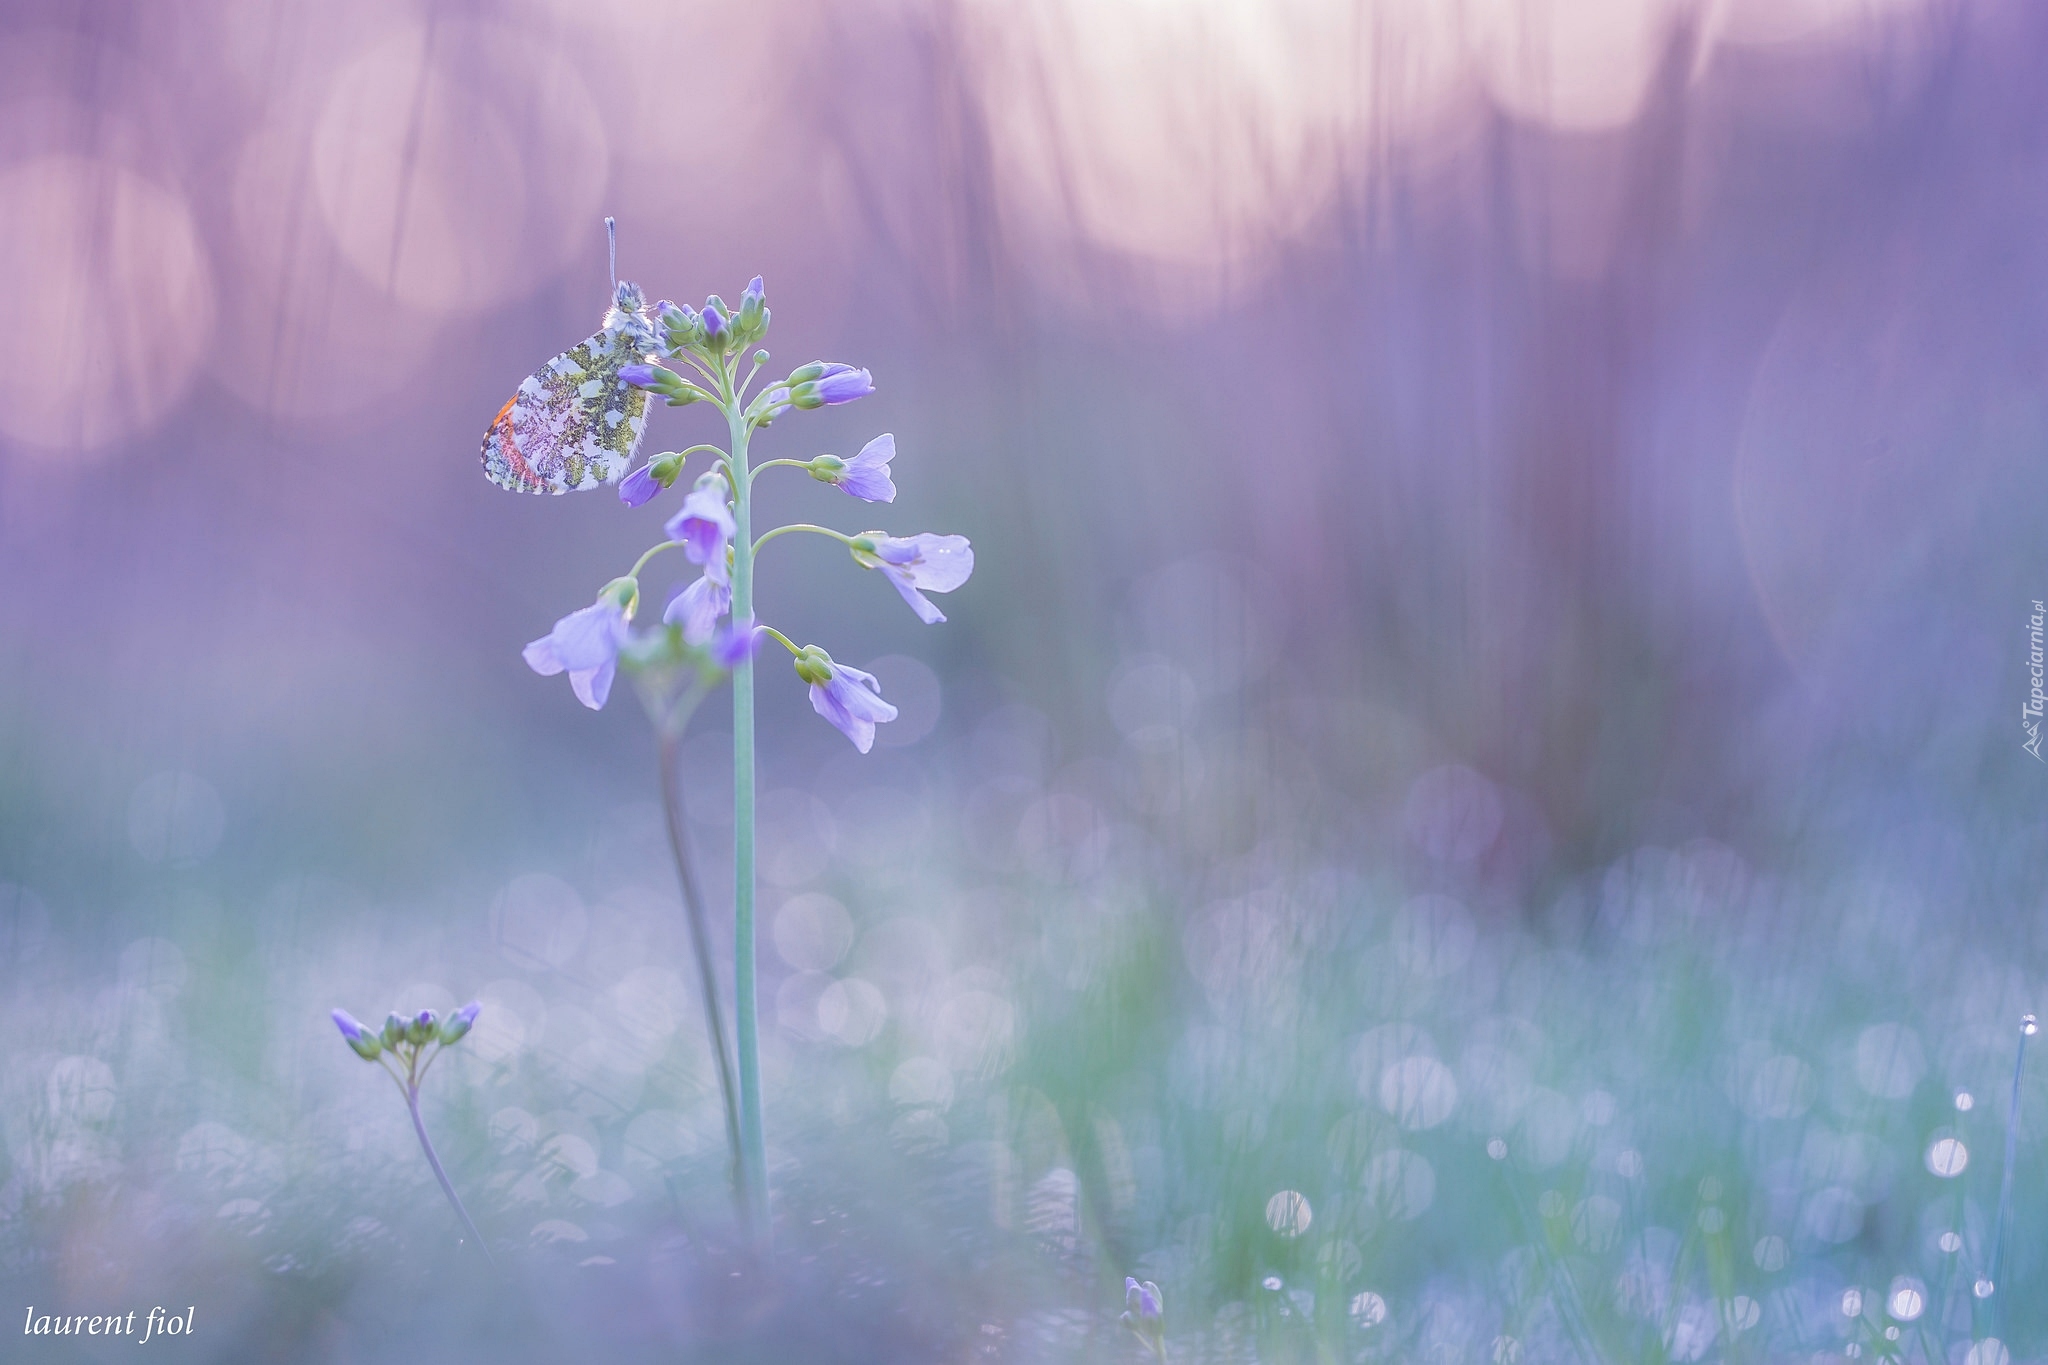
[[1473, 810]]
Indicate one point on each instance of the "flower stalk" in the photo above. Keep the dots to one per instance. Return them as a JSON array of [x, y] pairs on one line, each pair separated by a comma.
[[746, 1023], [404, 1049], [676, 664]]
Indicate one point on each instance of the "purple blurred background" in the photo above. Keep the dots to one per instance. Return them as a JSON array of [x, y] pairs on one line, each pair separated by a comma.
[[1639, 403]]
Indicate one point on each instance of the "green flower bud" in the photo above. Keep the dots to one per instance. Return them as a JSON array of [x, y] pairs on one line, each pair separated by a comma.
[[804, 374], [457, 1024], [814, 665], [826, 468], [422, 1028], [394, 1029]]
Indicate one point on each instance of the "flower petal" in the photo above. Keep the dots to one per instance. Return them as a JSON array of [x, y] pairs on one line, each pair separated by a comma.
[[639, 487], [697, 608], [906, 584], [540, 656], [593, 685], [585, 639]]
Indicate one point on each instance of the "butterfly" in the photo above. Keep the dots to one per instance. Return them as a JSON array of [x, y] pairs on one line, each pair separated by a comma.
[[574, 424]]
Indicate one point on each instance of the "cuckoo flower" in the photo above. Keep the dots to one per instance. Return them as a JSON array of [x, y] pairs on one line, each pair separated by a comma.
[[705, 526], [651, 478], [361, 1039], [916, 565], [1145, 1315], [585, 644], [865, 476], [819, 384], [847, 697], [405, 1048], [697, 608]]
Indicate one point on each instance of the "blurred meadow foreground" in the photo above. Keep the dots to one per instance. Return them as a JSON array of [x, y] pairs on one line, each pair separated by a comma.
[[1475, 808]]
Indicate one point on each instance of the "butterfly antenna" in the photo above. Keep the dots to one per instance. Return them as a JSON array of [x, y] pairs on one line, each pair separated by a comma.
[[611, 237]]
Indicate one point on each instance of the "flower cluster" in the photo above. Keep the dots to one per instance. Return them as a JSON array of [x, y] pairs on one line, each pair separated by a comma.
[[592, 642], [1145, 1315], [407, 1038], [405, 1047]]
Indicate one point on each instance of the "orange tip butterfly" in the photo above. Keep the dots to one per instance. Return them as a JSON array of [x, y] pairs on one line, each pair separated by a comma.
[[574, 424]]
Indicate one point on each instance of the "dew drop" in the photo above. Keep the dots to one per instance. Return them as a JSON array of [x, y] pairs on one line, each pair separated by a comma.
[[1852, 1303], [1950, 1243], [1497, 1149], [1272, 1282], [1947, 1157], [1984, 1289], [2028, 1025], [1965, 1101], [1891, 1334]]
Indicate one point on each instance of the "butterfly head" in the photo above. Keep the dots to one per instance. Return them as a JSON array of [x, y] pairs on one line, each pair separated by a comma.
[[629, 315]]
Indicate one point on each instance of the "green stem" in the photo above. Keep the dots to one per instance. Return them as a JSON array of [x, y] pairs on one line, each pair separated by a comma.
[[770, 464], [787, 643], [802, 526], [746, 1029], [419, 1127], [641, 562]]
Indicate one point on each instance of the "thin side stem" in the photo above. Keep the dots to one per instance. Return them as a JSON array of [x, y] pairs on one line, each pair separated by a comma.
[[412, 1103], [839, 536], [744, 1004], [707, 975]]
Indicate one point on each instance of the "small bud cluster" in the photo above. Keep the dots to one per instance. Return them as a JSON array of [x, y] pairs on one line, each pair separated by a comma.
[[406, 1037], [719, 330], [1145, 1315]]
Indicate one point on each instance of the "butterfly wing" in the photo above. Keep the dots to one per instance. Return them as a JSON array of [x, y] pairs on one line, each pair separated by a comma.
[[573, 424]]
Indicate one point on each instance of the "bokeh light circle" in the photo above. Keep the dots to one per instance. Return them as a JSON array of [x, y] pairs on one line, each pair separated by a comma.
[[458, 165], [110, 302]]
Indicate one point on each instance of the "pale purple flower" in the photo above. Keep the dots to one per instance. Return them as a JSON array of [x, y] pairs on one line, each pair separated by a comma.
[[866, 475], [705, 526], [714, 319], [697, 607], [918, 564], [839, 384], [1141, 1301], [639, 487], [852, 701], [458, 1023], [360, 1039], [639, 376], [734, 643], [585, 645]]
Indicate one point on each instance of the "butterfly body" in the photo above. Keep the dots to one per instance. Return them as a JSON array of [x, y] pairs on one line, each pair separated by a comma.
[[574, 424]]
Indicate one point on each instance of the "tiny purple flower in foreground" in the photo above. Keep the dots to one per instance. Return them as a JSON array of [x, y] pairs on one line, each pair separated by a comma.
[[1142, 1300], [925, 562], [697, 608], [457, 1024], [359, 1038], [704, 526], [585, 645], [639, 376], [850, 699], [866, 475]]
